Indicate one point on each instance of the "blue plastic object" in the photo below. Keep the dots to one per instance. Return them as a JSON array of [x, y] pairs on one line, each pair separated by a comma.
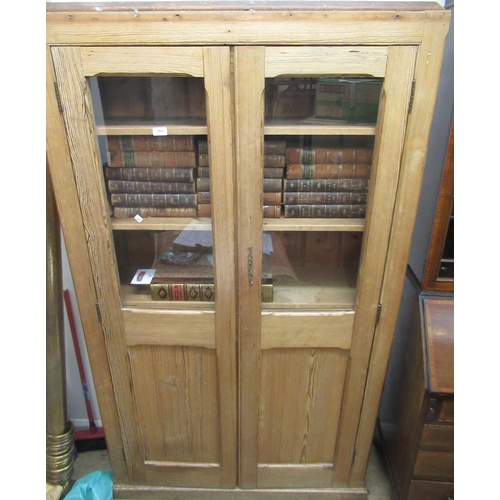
[[97, 485]]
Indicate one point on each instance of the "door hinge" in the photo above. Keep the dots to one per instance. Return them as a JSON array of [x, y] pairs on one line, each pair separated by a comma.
[[98, 311], [412, 96], [58, 97], [379, 312]]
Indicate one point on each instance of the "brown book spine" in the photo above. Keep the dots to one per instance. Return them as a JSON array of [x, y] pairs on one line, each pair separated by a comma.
[[273, 185], [151, 174], [128, 212], [274, 172], [327, 171], [150, 143], [203, 159], [272, 198], [150, 187], [203, 172], [204, 210], [152, 159], [325, 211], [270, 211], [270, 147], [336, 198], [271, 160], [329, 155], [196, 291], [326, 185], [156, 200], [203, 197], [203, 184]]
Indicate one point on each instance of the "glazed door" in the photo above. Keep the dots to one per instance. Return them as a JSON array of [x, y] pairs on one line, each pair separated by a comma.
[[320, 134], [148, 129]]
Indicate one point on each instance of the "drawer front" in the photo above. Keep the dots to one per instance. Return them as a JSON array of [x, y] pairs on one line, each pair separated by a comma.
[[430, 490], [440, 409], [447, 411], [434, 465], [438, 436]]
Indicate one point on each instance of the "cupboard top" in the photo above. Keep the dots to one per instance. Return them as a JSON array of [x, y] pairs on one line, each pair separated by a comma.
[[244, 5], [223, 23]]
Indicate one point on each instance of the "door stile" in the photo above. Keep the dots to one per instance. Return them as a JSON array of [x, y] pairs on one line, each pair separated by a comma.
[[75, 241], [217, 71], [428, 66], [249, 127], [389, 147], [83, 149]]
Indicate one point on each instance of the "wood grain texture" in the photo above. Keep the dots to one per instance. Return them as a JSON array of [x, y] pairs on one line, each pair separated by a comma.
[[285, 329], [301, 393], [187, 328], [142, 60], [282, 27], [160, 493], [176, 392], [89, 183], [217, 70], [249, 145], [386, 167], [313, 60], [427, 70]]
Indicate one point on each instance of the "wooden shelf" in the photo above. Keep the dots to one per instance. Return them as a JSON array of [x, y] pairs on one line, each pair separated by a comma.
[[315, 288], [162, 224], [312, 126], [182, 126], [176, 223], [314, 224]]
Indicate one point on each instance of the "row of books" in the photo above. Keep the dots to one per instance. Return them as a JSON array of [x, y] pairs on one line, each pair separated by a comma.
[[326, 182], [168, 176], [152, 176]]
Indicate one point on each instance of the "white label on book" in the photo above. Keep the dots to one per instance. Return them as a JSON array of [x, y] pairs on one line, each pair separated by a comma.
[[143, 277], [160, 131], [138, 218]]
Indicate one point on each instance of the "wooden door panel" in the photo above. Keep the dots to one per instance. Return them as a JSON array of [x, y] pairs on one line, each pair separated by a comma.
[[300, 401], [176, 393]]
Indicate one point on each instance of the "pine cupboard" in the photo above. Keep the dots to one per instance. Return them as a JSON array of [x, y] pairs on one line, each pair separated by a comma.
[[257, 370]]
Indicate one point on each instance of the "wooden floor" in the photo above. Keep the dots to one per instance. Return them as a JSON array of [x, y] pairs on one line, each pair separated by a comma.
[[377, 479]]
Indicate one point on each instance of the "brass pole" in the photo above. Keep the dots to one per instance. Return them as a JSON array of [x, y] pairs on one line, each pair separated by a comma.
[[60, 446]]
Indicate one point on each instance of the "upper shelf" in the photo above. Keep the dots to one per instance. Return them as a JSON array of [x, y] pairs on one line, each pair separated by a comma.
[[198, 126]]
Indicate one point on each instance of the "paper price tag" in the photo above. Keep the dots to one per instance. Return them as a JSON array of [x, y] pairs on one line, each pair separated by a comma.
[[143, 277], [160, 131], [138, 218]]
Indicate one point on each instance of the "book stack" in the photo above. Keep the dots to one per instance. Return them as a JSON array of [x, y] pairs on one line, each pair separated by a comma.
[[151, 176], [203, 180], [274, 169], [274, 172], [326, 182]]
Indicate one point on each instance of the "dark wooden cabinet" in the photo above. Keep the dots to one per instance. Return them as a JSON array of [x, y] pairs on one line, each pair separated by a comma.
[[417, 427], [439, 269]]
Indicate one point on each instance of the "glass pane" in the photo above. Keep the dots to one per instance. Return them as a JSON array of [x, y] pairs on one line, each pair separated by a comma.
[[319, 138], [312, 269], [153, 144], [166, 266]]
